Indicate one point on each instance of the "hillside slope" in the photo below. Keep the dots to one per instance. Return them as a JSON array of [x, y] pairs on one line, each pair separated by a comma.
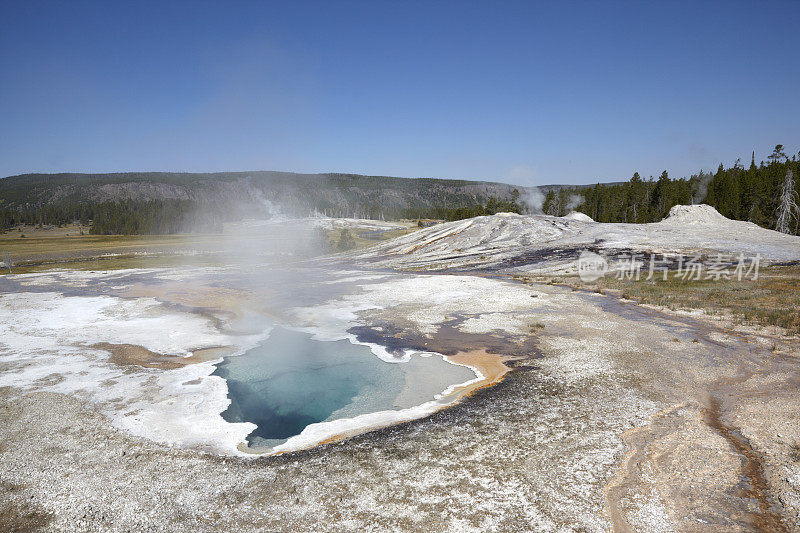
[[335, 194]]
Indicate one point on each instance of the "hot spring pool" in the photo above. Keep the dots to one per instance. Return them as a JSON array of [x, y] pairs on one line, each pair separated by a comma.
[[291, 380]]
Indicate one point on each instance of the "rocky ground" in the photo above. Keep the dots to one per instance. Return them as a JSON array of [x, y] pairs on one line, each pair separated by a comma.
[[616, 416], [629, 417], [541, 244]]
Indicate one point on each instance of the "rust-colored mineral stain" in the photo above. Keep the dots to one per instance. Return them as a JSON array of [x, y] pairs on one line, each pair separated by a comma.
[[766, 519], [492, 367], [135, 355]]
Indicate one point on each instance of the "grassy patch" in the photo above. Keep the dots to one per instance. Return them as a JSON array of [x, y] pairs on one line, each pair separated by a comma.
[[771, 300], [73, 246], [360, 239], [66, 248]]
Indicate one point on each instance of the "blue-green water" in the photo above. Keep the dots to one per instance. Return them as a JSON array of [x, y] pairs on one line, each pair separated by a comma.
[[292, 380]]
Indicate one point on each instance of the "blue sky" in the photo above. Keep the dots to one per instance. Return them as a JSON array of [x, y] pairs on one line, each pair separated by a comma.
[[528, 92]]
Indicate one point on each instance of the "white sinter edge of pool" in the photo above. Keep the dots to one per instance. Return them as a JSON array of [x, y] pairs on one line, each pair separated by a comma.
[[46, 339]]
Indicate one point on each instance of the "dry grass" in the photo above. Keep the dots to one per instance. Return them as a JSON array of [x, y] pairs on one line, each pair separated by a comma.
[[771, 300], [334, 234], [65, 247], [49, 248]]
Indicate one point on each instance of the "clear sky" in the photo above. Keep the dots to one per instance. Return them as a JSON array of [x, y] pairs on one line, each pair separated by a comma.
[[528, 92]]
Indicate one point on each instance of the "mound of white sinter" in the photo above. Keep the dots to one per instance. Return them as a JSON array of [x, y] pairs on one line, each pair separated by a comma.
[[694, 214], [577, 215], [547, 244]]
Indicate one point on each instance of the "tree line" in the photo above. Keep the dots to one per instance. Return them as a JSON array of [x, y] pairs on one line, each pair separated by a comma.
[[764, 193], [124, 217], [48, 215], [469, 209], [154, 217]]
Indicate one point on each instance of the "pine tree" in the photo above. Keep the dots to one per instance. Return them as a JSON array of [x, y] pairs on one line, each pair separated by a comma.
[[550, 205], [777, 154], [346, 241]]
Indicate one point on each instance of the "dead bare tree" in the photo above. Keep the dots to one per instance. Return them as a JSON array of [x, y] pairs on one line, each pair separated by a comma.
[[787, 205]]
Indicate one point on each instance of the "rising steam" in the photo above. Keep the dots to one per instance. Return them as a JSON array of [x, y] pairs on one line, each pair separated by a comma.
[[533, 200]]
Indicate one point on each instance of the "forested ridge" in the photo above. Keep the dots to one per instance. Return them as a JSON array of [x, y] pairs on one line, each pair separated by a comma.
[[749, 193], [739, 193], [156, 202], [202, 202]]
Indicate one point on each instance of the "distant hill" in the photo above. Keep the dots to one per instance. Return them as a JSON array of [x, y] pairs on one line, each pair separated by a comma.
[[555, 187], [242, 192]]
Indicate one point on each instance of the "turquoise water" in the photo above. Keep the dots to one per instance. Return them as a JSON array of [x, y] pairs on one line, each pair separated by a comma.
[[291, 380]]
